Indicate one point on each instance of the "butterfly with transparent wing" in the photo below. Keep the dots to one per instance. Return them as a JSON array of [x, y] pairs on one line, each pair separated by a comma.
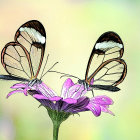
[[22, 59], [105, 68]]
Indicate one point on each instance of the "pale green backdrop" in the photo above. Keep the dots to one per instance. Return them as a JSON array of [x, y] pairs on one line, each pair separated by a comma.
[[72, 28]]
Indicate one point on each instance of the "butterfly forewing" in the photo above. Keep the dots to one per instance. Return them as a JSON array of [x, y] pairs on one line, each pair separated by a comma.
[[105, 64], [23, 58], [32, 36]]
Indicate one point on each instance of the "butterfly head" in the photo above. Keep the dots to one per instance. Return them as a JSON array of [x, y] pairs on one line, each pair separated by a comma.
[[84, 83]]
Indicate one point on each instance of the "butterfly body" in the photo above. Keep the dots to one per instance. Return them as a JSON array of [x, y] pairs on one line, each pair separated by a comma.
[[83, 82], [34, 81]]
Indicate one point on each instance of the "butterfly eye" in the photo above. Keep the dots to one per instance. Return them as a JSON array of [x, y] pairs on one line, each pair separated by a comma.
[[80, 81]]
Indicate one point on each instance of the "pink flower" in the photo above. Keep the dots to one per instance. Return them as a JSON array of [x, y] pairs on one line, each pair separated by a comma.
[[72, 99]]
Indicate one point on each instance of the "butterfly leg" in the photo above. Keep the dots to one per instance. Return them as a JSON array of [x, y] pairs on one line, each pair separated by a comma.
[[92, 92], [89, 88]]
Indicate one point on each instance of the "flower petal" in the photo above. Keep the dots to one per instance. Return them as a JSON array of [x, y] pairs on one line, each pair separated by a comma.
[[47, 103], [81, 91], [80, 105], [96, 109], [106, 110], [25, 91], [102, 100], [73, 90], [70, 100], [55, 98], [64, 106], [45, 90], [38, 96], [13, 92], [76, 107], [67, 84], [59, 104], [19, 85]]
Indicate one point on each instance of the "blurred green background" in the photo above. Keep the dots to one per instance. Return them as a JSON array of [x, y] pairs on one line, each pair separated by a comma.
[[72, 27]]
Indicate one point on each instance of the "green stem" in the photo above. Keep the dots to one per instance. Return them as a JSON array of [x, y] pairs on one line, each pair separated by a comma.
[[57, 118], [56, 126]]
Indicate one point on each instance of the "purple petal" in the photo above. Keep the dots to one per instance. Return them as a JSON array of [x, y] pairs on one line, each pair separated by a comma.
[[65, 106], [19, 85], [47, 103], [51, 91], [70, 100], [85, 91], [13, 92], [45, 90], [76, 107], [80, 92], [25, 91], [80, 105], [107, 111], [38, 96], [74, 89], [102, 100], [83, 100], [96, 109], [67, 84], [59, 104], [55, 98]]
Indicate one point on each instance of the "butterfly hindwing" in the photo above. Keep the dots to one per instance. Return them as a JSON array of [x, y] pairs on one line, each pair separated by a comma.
[[111, 72], [10, 77], [16, 60], [106, 87]]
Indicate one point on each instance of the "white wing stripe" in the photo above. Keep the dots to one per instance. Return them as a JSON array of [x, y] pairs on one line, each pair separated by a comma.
[[107, 45], [34, 33]]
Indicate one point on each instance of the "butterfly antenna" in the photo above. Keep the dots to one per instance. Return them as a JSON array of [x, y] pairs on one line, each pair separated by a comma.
[[49, 70], [44, 66], [64, 74]]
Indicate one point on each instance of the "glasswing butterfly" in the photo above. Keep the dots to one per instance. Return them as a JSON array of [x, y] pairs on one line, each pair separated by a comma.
[[105, 69], [22, 58]]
